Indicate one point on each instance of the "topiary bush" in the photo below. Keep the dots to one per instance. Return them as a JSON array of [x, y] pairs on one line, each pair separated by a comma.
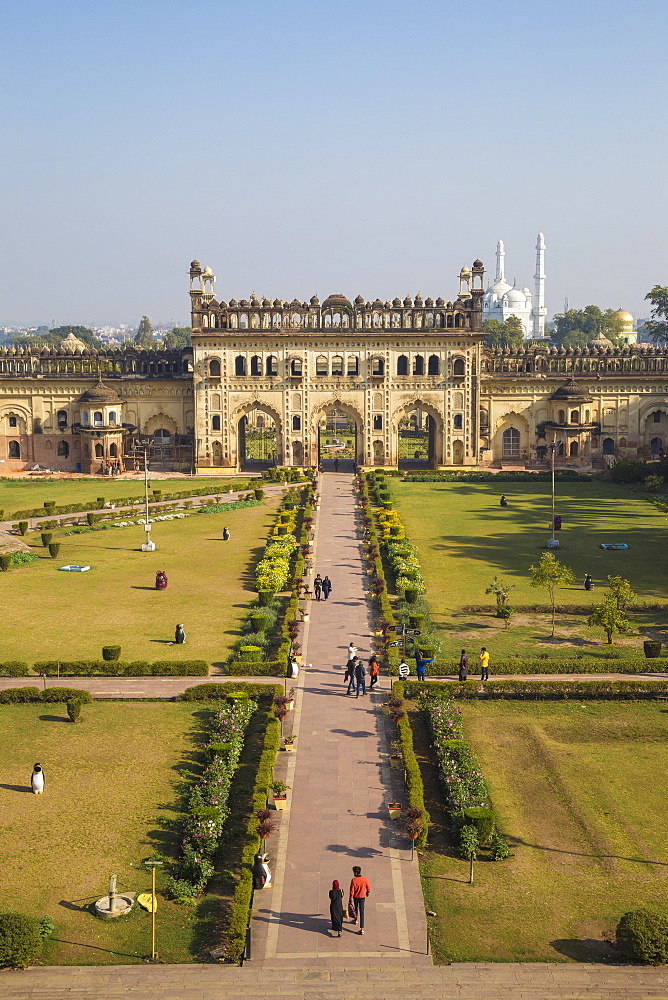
[[250, 653], [5, 561], [46, 537], [20, 940], [73, 709], [482, 818], [111, 653], [23, 527], [54, 549], [643, 936], [652, 648]]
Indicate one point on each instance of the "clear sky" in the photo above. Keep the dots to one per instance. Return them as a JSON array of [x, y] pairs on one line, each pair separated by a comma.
[[300, 146]]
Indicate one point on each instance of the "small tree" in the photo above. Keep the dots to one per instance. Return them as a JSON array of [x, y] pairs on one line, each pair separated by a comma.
[[550, 574], [469, 844], [621, 592], [501, 591], [73, 709], [607, 616]]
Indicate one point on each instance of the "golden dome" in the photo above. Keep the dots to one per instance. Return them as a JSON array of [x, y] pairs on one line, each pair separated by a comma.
[[625, 316]]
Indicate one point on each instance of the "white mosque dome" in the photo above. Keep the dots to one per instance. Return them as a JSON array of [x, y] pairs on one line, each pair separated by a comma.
[[514, 298], [496, 291]]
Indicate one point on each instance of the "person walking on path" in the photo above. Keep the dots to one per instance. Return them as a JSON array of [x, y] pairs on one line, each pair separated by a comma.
[[352, 651], [374, 670], [421, 664], [336, 907], [326, 587], [484, 664], [359, 890], [350, 674], [317, 586], [463, 666], [359, 677]]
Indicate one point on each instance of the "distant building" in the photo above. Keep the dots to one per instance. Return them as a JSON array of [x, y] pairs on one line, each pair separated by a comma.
[[502, 300]]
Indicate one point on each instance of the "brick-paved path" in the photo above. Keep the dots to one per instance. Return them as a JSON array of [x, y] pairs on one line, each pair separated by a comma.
[[341, 784]]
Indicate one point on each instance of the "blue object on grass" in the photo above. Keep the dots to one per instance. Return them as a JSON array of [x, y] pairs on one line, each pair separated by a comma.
[[614, 545], [74, 569]]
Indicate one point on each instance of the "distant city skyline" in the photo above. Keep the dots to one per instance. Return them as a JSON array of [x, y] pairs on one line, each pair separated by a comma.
[[300, 149]]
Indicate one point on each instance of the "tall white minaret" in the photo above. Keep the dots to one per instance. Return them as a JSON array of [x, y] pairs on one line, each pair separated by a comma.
[[500, 257], [538, 311]]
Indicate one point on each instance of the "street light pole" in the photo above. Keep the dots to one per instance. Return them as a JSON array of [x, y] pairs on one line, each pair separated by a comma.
[[148, 546], [553, 543]]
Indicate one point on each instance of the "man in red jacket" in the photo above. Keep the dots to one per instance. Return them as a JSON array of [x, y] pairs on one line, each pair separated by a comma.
[[359, 890]]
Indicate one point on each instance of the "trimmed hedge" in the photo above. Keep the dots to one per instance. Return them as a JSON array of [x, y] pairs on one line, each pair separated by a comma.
[[565, 475], [243, 895], [566, 666], [643, 936], [23, 695], [79, 508], [413, 777], [560, 609], [118, 668], [539, 690], [21, 940], [14, 668], [216, 691]]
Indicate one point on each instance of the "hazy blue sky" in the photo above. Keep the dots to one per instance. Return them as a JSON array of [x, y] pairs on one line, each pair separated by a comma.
[[304, 146]]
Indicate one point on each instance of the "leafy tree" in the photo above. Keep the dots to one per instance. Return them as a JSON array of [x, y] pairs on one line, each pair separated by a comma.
[[657, 327], [621, 592], [144, 335], [550, 574], [469, 845], [501, 591], [578, 324], [180, 336], [43, 337], [607, 616], [510, 333]]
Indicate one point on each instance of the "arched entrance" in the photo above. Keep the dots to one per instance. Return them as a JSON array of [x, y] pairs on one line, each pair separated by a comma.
[[337, 437], [259, 443], [419, 437]]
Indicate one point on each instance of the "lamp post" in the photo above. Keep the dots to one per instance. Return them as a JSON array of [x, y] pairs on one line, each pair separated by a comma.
[[154, 905], [148, 546], [553, 543]]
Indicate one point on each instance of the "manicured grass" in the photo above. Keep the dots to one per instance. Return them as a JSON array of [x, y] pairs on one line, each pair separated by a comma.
[[465, 538], [67, 616], [580, 795], [22, 494], [110, 801]]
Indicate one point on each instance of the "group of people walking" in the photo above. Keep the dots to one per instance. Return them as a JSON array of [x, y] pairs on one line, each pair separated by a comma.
[[356, 672], [322, 587]]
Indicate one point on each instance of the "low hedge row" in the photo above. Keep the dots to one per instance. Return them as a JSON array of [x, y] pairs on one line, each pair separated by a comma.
[[636, 665], [560, 609], [217, 691], [243, 896], [158, 497], [541, 690], [14, 668], [259, 668], [413, 777], [565, 475], [23, 695], [136, 668]]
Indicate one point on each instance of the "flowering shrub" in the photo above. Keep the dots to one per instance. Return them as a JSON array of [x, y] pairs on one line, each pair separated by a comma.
[[458, 769], [207, 802], [271, 573]]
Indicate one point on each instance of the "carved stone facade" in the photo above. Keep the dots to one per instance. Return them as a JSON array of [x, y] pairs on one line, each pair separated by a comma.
[[295, 361]]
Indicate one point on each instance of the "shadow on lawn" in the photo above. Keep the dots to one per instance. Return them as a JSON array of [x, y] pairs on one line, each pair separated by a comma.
[[517, 841], [18, 788], [54, 718]]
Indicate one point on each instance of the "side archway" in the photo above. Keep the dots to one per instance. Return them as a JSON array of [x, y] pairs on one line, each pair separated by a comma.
[[511, 440], [241, 448], [426, 422]]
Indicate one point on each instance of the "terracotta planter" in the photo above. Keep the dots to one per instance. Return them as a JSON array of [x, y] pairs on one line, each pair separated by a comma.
[[396, 760], [289, 747], [395, 810], [280, 801]]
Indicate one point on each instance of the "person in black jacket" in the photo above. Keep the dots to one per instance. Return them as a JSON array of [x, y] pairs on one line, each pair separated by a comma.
[[463, 666], [326, 587]]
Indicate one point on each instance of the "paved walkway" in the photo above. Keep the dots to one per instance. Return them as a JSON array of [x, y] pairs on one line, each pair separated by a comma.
[[540, 981], [341, 784]]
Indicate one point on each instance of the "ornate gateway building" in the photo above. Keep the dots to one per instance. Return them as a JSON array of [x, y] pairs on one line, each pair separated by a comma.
[[383, 383]]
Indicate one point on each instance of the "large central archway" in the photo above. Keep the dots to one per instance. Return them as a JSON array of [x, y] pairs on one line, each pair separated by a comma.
[[337, 436], [418, 435]]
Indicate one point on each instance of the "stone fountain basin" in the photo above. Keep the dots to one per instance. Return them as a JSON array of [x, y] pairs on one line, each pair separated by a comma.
[[123, 903]]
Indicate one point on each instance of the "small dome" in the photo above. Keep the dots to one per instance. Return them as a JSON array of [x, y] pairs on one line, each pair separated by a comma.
[[514, 297], [429, 301], [396, 303], [419, 300], [244, 302], [315, 301], [359, 301], [408, 301], [195, 264], [233, 303], [625, 316], [207, 272], [600, 342], [277, 303], [100, 393], [439, 301], [571, 391], [337, 301], [465, 270]]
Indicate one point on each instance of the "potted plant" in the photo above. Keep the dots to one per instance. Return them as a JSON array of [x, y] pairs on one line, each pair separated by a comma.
[[289, 743], [291, 699], [265, 826], [280, 794], [396, 757], [395, 809]]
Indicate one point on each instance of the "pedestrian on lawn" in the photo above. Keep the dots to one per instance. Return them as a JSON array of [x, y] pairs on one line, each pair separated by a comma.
[[421, 664], [326, 587], [336, 907], [484, 664], [359, 890], [463, 666]]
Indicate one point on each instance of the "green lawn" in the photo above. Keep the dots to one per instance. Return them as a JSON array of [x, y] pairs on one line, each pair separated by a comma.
[[55, 615], [587, 846], [465, 538], [23, 494], [111, 799]]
